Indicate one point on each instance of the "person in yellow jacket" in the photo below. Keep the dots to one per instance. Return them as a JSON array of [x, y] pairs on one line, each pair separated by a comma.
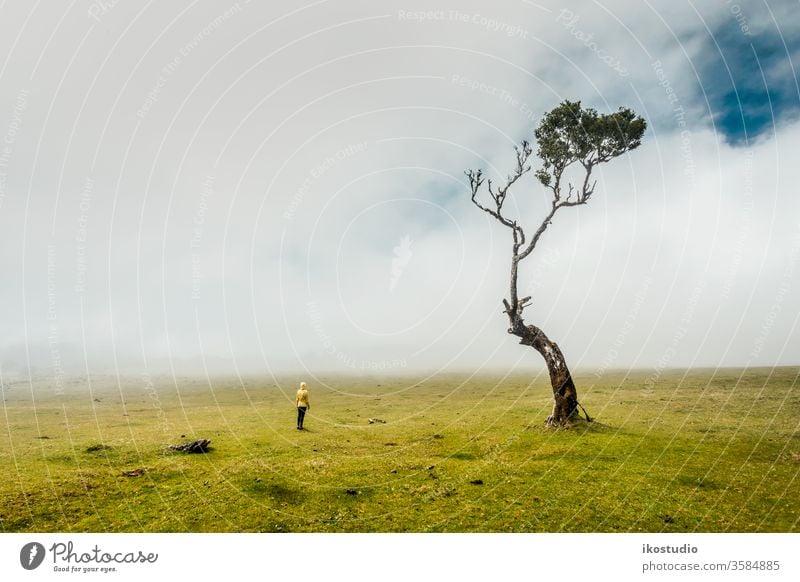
[[302, 403]]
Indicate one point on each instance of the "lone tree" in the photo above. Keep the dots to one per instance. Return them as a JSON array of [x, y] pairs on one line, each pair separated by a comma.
[[569, 138]]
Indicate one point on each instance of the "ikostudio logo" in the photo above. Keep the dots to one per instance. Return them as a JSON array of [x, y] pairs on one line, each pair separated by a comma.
[[31, 555]]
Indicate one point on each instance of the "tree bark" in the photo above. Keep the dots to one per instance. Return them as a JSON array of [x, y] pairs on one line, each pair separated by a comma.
[[565, 395]]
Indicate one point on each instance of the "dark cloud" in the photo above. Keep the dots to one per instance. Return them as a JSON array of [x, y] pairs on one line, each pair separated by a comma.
[[747, 77]]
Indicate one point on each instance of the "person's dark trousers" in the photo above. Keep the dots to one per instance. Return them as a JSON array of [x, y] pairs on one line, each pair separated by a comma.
[[301, 415]]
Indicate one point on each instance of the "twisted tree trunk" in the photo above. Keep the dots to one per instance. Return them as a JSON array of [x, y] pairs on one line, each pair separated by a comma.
[[565, 395]]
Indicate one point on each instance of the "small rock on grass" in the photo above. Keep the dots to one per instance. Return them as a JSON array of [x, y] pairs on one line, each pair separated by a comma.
[[134, 472], [477, 482]]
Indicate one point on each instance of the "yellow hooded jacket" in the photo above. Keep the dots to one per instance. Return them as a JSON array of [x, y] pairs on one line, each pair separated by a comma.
[[302, 397]]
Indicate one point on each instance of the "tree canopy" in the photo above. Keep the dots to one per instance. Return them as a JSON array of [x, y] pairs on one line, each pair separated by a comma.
[[570, 134]]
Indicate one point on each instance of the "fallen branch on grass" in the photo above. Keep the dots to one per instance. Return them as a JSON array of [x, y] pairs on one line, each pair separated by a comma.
[[198, 446]]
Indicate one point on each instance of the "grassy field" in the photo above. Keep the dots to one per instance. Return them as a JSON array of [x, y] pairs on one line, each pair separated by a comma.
[[698, 450]]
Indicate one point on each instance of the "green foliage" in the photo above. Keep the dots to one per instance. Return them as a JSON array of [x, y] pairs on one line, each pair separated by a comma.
[[570, 134]]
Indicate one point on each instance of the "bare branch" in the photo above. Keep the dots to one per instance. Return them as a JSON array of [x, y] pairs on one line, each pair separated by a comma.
[[499, 193], [581, 197], [523, 154], [475, 181], [492, 193], [591, 190], [542, 227], [571, 191], [587, 190]]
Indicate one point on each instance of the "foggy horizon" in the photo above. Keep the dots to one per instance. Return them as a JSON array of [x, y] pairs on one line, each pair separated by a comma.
[[248, 189]]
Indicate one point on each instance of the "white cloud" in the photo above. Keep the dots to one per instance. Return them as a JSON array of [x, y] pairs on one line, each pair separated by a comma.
[[247, 211]]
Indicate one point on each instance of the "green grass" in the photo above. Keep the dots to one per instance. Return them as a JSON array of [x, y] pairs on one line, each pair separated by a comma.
[[695, 451]]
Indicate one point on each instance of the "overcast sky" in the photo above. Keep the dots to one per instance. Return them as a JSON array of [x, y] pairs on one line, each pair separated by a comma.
[[273, 186]]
